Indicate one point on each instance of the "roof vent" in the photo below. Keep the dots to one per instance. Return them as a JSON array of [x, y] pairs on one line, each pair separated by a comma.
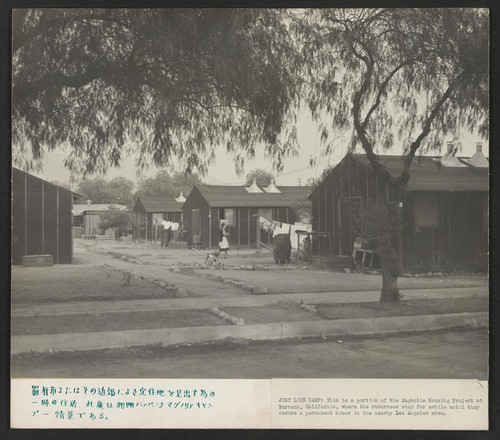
[[271, 188], [181, 198], [253, 188], [449, 159], [478, 160]]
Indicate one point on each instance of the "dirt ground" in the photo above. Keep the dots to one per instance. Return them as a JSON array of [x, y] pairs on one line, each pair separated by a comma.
[[194, 285], [278, 279], [431, 355], [297, 281], [89, 281], [63, 283]]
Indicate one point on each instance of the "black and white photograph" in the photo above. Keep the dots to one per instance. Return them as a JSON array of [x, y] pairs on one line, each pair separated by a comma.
[[252, 194]]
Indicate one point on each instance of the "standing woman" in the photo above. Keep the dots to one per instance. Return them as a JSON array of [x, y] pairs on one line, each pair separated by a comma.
[[223, 243]]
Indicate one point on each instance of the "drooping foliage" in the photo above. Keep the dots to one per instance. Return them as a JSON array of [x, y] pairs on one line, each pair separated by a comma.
[[165, 85], [397, 76]]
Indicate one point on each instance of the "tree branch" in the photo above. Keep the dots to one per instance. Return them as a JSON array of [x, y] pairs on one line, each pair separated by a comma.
[[405, 176], [382, 90], [360, 129]]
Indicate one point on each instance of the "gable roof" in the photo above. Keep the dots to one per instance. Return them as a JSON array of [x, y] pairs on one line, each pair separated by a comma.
[[81, 208], [426, 174], [222, 196], [159, 204]]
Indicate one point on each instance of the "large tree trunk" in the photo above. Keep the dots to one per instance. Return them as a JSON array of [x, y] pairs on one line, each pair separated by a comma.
[[388, 256]]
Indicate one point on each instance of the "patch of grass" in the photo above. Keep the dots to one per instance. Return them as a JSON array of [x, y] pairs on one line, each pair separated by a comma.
[[403, 308], [56, 284], [113, 321]]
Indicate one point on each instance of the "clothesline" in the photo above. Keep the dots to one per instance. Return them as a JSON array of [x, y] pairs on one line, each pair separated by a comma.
[[167, 225], [276, 227]]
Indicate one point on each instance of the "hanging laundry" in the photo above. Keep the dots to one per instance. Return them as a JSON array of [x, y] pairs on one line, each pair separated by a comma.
[[283, 229], [266, 224], [173, 225]]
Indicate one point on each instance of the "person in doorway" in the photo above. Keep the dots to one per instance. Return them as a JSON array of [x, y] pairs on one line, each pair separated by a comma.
[[223, 241]]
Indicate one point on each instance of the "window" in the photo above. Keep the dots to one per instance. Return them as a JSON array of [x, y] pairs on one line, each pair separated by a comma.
[[426, 211], [227, 214]]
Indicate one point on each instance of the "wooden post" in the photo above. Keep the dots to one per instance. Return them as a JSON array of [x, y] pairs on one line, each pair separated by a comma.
[[239, 233], [249, 244], [43, 218], [350, 204], [400, 238], [326, 210], [210, 227], [298, 247], [57, 230], [317, 217], [466, 230], [25, 214], [258, 231], [414, 232], [333, 220], [449, 230], [339, 211], [71, 195]]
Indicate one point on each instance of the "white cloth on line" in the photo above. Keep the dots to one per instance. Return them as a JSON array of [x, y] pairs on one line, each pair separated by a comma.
[[173, 225]]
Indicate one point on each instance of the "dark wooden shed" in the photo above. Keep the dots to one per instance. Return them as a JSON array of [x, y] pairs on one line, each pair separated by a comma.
[[41, 218], [151, 211], [445, 211], [207, 205]]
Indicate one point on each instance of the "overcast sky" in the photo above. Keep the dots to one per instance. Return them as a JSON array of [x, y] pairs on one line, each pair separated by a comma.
[[222, 172]]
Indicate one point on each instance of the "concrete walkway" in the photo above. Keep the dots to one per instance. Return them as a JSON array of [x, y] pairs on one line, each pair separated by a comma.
[[274, 330], [96, 307]]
